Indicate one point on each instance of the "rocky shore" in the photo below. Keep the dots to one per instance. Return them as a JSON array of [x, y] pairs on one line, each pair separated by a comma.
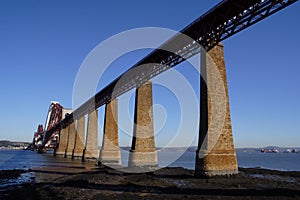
[[167, 183]]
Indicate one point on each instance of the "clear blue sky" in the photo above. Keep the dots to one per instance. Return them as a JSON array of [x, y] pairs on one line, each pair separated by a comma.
[[43, 43]]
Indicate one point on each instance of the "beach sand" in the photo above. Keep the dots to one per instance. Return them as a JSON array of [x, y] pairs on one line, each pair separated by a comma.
[[168, 183]]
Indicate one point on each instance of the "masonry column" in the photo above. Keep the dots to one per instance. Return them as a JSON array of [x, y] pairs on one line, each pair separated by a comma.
[[91, 151], [79, 141], [216, 154], [71, 140], [143, 152], [63, 141], [110, 153]]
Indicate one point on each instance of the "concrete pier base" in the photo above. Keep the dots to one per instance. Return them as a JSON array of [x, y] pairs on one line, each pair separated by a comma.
[[216, 154], [91, 151], [216, 163], [110, 152], [110, 157], [144, 160], [71, 141], [143, 153], [63, 140], [79, 141]]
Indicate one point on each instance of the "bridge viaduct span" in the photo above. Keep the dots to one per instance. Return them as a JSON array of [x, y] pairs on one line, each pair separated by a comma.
[[222, 21]]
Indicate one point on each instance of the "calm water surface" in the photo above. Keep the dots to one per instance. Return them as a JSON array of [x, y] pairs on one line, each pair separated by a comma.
[[19, 159], [24, 160], [276, 161]]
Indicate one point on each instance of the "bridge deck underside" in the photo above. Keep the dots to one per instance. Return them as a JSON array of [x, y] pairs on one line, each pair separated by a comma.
[[222, 21]]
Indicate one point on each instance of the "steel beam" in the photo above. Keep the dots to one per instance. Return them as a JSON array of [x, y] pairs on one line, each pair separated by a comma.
[[222, 21], [219, 23]]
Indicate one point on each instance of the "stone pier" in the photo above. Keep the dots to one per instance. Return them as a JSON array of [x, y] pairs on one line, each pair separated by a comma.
[[216, 154], [110, 152], [143, 153], [71, 141], [79, 141], [91, 151], [63, 141]]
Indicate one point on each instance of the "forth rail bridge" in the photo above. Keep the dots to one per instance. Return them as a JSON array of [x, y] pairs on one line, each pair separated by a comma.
[[65, 129]]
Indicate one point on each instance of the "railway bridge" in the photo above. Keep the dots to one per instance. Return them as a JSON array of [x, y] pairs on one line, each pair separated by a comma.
[[219, 23]]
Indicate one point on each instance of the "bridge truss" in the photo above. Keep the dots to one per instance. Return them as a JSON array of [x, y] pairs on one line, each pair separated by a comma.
[[219, 23]]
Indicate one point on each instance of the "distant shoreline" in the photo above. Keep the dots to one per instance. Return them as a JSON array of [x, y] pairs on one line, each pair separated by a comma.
[[9, 145]]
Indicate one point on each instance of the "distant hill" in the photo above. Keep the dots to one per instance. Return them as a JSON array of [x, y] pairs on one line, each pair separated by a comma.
[[6, 144], [192, 148], [280, 149], [238, 150]]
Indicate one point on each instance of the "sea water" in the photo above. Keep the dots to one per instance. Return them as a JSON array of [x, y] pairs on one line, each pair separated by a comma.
[[274, 161], [24, 160]]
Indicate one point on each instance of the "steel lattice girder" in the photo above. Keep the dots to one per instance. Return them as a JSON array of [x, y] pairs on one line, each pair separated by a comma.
[[222, 21], [55, 117], [219, 23]]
